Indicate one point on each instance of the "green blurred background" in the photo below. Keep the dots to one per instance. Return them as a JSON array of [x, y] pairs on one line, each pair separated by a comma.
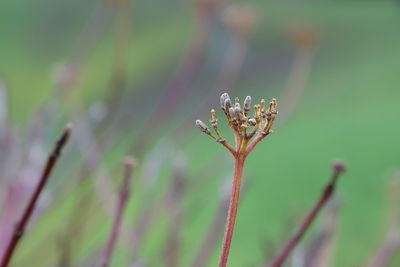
[[333, 66]]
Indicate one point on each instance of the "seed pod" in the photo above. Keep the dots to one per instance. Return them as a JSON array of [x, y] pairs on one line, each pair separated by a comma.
[[222, 100], [227, 103], [247, 103], [202, 126]]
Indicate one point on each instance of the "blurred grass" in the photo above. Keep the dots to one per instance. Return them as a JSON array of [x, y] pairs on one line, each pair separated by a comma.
[[349, 110]]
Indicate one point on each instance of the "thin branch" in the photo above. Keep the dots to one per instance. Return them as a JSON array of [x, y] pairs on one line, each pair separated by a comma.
[[123, 198], [388, 249], [174, 207], [21, 224], [255, 141], [329, 189], [391, 243], [320, 252], [228, 146]]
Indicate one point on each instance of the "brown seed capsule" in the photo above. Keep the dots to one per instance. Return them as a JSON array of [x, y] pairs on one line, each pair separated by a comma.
[[262, 102], [257, 111], [214, 120]]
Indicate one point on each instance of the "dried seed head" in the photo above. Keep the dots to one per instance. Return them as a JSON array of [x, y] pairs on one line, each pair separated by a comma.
[[227, 103], [274, 103], [214, 121], [262, 102], [247, 103], [224, 96], [202, 126], [213, 115], [257, 111]]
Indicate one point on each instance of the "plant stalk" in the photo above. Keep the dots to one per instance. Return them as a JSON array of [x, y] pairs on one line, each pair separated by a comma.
[[124, 195], [21, 224], [232, 211], [294, 240]]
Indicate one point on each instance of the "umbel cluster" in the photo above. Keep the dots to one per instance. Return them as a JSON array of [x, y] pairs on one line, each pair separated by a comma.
[[244, 125]]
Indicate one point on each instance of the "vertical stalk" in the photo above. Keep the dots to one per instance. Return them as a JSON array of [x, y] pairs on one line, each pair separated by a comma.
[[20, 226], [124, 195], [232, 212]]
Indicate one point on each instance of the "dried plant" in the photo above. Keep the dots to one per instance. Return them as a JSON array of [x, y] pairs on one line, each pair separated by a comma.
[[27, 214], [338, 168], [124, 194], [248, 132]]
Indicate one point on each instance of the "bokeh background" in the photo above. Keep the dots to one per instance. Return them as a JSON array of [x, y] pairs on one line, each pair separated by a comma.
[[132, 76]]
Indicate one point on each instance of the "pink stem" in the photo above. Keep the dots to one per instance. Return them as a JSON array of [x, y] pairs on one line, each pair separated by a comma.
[[291, 244], [232, 212]]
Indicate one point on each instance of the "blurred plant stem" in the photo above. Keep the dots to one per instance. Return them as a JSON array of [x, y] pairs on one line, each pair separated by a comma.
[[305, 39], [338, 168], [239, 22], [320, 252], [122, 31], [21, 224], [391, 242], [180, 83], [175, 210], [124, 195]]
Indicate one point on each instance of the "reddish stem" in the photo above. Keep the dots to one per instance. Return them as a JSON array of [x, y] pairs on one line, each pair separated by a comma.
[[232, 212], [123, 197], [255, 141], [291, 244], [21, 224]]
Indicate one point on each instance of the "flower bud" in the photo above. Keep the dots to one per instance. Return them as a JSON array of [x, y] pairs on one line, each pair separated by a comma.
[[338, 166], [247, 103], [237, 106], [252, 121], [232, 113], [202, 126], [227, 103], [238, 113], [222, 99]]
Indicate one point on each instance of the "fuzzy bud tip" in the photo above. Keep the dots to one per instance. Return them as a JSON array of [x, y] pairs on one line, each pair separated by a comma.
[[202, 126], [338, 166]]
